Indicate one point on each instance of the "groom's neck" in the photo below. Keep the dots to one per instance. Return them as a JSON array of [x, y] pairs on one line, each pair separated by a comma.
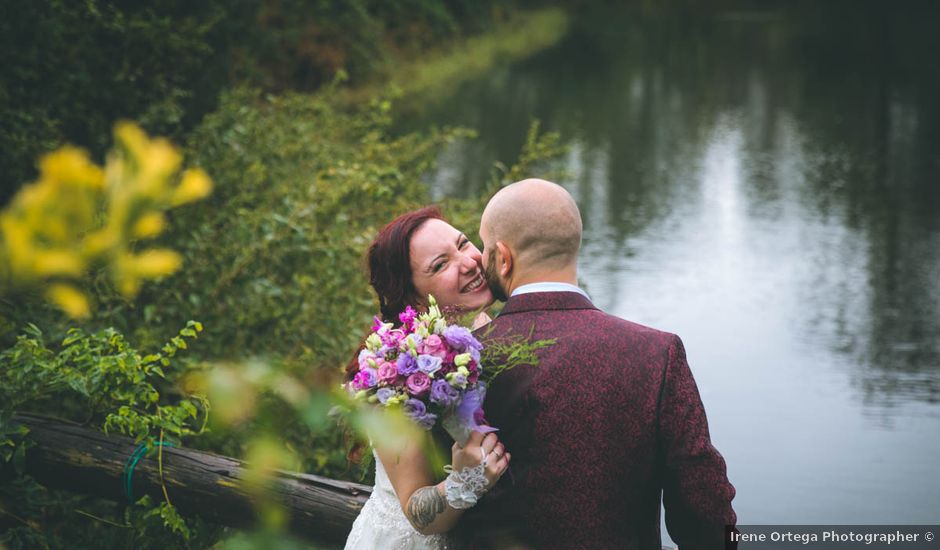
[[567, 275]]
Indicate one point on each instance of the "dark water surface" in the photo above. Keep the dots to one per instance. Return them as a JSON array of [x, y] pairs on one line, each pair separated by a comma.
[[763, 182]]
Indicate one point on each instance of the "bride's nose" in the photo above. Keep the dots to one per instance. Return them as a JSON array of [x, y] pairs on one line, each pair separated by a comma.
[[470, 261]]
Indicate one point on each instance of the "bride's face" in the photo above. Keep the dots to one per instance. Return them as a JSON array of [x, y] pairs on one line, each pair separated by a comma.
[[446, 264]]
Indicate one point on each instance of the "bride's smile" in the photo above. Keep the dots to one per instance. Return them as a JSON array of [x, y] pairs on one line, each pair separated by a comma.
[[475, 284], [446, 264]]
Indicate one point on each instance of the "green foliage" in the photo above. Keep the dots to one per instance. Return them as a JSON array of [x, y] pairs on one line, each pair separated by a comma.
[[72, 68], [98, 378], [169, 517], [13, 444], [36, 517], [508, 353], [274, 263], [439, 73]]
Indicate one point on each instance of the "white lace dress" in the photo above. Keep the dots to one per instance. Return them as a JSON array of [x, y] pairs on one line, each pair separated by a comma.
[[382, 524]]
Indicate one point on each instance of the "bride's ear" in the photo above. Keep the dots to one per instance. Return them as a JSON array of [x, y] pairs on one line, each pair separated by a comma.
[[504, 258]]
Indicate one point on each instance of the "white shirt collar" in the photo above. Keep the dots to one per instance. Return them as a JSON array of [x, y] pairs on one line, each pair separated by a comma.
[[548, 287]]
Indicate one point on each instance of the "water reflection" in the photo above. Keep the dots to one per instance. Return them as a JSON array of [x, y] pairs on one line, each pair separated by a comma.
[[798, 140], [763, 183]]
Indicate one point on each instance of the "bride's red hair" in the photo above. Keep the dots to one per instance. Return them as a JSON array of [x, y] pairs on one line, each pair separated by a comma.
[[389, 261]]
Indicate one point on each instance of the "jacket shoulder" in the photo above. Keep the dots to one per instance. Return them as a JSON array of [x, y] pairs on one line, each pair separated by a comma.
[[583, 325]]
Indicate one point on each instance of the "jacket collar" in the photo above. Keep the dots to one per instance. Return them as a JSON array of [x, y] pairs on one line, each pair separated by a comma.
[[536, 301]]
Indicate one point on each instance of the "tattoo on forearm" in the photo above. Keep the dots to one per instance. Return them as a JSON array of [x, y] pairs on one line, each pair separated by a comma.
[[424, 505]]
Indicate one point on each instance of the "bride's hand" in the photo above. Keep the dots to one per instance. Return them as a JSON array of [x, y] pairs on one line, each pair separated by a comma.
[[469, 456]]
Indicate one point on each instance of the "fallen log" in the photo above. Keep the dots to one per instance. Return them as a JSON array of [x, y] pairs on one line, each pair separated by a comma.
[[71, 457], [78, 459]]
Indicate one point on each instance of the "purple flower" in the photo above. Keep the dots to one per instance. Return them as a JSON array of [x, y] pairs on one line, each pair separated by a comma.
[[418, 383], [429, 364], [461, 338], [365, 379], [443, 393], [377, 323], [391, 338], [407, 317], [415, 407], [427, 420], [417, 411], [383, 394], [407, 365]]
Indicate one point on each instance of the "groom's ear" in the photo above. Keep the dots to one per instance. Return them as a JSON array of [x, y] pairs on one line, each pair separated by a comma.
[[504, 257]]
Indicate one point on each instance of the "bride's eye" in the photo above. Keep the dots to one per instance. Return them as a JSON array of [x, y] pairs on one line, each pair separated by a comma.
[[437, 267], [463, 243]]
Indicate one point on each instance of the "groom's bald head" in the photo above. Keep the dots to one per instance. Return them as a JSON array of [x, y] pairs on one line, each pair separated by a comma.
[[539, 220]]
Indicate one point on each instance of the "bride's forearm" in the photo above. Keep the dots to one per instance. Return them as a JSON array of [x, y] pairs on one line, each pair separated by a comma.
[[428, 511]]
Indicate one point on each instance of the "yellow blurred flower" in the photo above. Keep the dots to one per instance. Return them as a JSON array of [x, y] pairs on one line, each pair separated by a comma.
[[53, 229], [128, 286], [69, 299], [70, 165], [194, 186], [97, 242], [156, 262], [149, 225], [16, 239], [132, 138], [58, 262], [160, 161]]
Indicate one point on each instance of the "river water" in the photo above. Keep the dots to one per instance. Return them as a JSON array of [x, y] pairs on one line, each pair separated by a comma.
[[764, 183]]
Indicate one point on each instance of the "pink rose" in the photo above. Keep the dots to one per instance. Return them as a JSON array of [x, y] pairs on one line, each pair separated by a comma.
[[418, 383], [434, 345], [388, 373]]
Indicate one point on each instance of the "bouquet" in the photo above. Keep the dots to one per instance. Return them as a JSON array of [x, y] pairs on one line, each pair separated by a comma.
[[427, 368]]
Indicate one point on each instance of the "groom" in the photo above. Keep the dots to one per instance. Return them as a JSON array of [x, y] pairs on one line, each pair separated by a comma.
[[608, 423]]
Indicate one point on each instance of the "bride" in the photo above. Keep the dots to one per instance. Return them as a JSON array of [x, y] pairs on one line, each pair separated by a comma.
[[418, 254]]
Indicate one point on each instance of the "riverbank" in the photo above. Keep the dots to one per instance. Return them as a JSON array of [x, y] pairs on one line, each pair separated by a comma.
[[439, 71]]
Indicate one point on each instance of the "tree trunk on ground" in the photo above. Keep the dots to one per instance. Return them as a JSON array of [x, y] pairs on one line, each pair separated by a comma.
[[68, 456]]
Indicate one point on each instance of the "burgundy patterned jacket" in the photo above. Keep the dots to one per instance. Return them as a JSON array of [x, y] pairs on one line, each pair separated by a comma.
[[608, 423]]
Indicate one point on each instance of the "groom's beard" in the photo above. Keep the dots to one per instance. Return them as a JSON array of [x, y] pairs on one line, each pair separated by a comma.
[[492, 278]]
